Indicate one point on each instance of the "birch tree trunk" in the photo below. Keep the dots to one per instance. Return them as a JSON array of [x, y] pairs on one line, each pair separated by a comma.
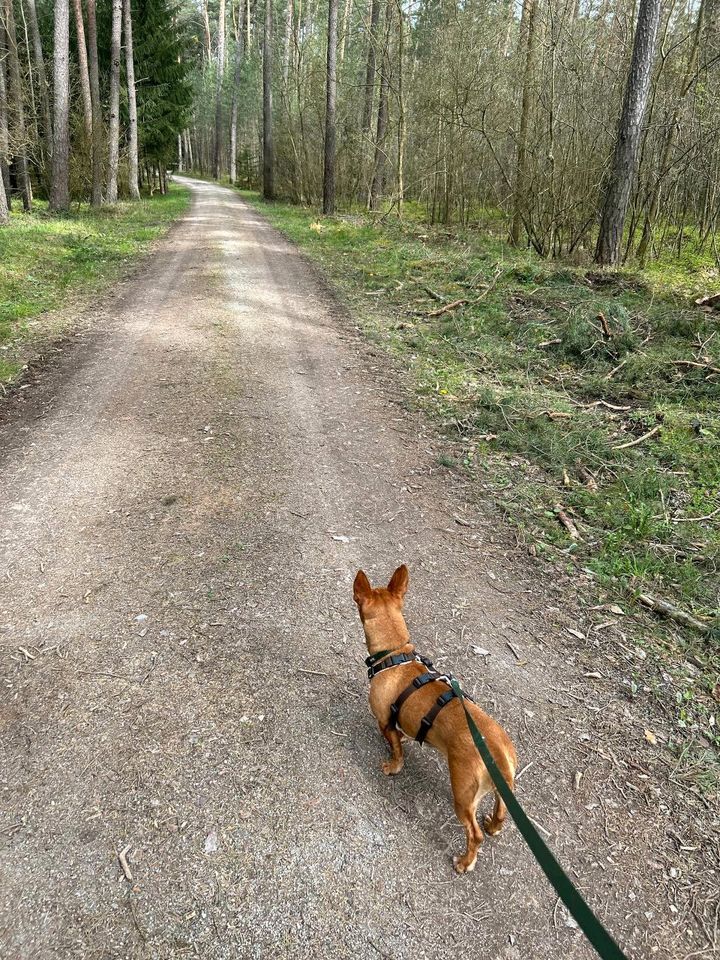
[[16, 98], [4, 131], [132, 103], [83, 68], [114, 127], [97, 120], [331, 101], [220, 72], [627, 146], [60, 183], [268, 152], [43, 89], [4, 209]]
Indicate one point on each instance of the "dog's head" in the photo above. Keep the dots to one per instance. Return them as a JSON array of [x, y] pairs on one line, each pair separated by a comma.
[[380, 610]]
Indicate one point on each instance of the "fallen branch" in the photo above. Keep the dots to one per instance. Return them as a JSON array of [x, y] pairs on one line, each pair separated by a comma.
[[711, 300], [708, 516], [565, 520], [615, 369], [435, 296], [665, 609], [587, 477], [447, 308], [696, 364], [604, 403], [549, 343], [637, 440]]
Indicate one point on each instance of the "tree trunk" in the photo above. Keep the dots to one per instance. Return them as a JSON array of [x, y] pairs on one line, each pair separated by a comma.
[[97, 120], [60, 184], [4, 209], [4, 129], [268, 153], [527, 54], [220, 71], [237, 74], [114, 126], [132, 103], [206, 27], [47, 130], [83, 68], [345, 29], [16, 98], [624, 165], [370, 69], [378, 179], [654, 199], [329, 172], [287, 42]]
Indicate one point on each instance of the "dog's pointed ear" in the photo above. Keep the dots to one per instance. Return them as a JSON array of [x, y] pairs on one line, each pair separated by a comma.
[[361, 588], [399, 582]]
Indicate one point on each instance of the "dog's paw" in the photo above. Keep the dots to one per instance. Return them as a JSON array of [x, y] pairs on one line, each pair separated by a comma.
[[391, 767], [462, 866], [491, 826]]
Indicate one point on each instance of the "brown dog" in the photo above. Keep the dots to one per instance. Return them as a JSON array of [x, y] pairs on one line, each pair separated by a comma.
[[386, 633]]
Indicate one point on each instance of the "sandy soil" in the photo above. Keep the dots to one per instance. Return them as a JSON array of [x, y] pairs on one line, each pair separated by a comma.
[[185, 498]]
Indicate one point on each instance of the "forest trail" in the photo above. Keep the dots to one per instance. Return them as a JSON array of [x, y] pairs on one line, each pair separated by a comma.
[[185, 500]]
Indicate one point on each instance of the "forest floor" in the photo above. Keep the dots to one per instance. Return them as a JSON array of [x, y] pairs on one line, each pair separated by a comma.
[[48, 263], [187, 494]]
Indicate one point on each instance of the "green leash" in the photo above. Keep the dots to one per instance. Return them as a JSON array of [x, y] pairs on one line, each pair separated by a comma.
[[562, 884]]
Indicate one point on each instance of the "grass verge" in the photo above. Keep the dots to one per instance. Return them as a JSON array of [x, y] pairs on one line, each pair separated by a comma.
[[47, 261], [587, 402]]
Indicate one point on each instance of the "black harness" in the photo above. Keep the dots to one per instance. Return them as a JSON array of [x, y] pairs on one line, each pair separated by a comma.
[[383, 661]]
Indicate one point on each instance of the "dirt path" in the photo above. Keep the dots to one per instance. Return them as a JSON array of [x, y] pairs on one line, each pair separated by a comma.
[[185, 500]]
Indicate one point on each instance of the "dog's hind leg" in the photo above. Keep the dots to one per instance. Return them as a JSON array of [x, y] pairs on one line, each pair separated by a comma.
[[467, 793], [494, 824], [394, 739]]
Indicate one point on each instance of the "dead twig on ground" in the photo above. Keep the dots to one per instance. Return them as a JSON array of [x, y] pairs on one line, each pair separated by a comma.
[[637, 440], [696, 364], [122, 858], [665, 609], [565, 520]]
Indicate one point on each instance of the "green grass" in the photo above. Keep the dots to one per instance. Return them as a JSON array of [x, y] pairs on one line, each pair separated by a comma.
[[522, 378], [47, 262]]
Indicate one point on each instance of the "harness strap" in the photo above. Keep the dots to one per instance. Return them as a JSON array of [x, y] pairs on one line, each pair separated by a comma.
[[374, 668], [417, 684], [429, 718]]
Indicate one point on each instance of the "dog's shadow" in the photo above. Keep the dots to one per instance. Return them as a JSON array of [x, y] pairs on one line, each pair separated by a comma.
[[420, 793]]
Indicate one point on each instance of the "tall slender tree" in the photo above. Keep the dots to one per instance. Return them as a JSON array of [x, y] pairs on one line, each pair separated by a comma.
[[237, 74], [83, 68], [133, 186], [370, 67], [17, 99], [114, 126], [268, 152], [60, 184], [627, 146], [378, 178], [42, 82], [330, 109], [4, 127], [526, 56], [97, 121], [219, 75], [4, 210]]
